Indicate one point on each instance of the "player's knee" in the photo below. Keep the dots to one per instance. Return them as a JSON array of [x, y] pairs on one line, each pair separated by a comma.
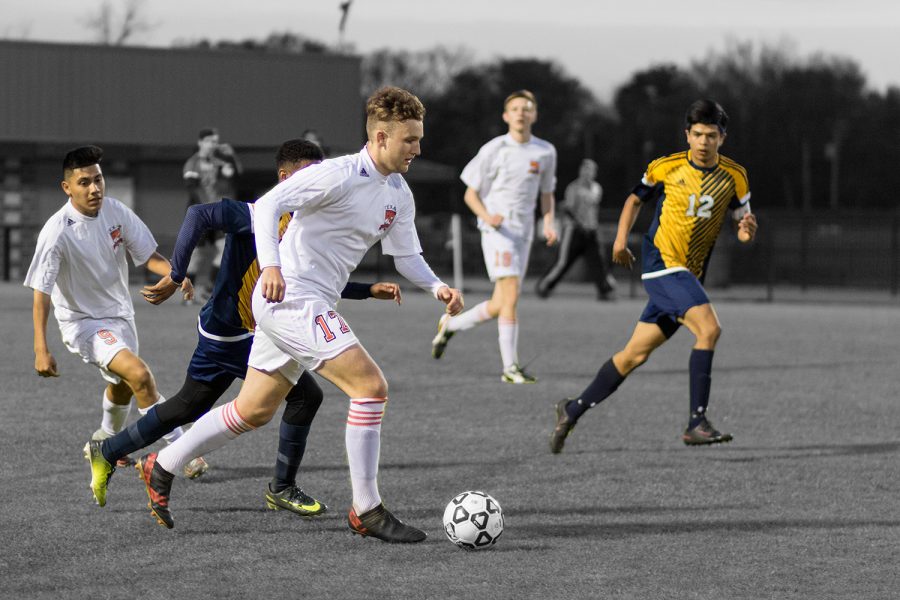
[[376, 386], [301, 408], [141, 379], [708, 336]]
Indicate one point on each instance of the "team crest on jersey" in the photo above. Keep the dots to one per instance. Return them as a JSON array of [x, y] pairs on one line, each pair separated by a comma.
[[390, 211], [534, 167], [115, 232]]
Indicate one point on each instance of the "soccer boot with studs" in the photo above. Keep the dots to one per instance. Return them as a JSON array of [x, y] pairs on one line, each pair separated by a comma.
[[514, 374], [564, 425], [101, 471], [99, 436], [195, 468], [381, 524], [295, 500], [439, 343], [704, 434], [159, 485]]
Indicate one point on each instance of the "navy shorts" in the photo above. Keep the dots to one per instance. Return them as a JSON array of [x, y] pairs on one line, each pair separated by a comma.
[[670, 297], [213, 358]]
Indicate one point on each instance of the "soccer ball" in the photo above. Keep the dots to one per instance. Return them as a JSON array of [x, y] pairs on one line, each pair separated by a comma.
[[473, 520]]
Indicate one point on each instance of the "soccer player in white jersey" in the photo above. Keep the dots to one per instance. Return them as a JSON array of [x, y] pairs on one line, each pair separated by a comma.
[[503, 181], [341, 207], [79, 265]]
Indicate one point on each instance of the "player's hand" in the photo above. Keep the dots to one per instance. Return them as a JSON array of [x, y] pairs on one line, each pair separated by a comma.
[[187, 289], [550, 234], [494, 220], [227, 170], [161, 291], [746, 229], [386, 290], [452, 297], [45, 365], [621, 255], [272, 285]]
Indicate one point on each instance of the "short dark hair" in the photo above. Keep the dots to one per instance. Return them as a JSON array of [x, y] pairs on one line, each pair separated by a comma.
[[206, 132], [294, 151], [83, 156], [707, 112]]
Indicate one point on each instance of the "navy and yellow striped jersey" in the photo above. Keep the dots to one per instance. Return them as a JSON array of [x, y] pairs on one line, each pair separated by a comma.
[[692, 202]]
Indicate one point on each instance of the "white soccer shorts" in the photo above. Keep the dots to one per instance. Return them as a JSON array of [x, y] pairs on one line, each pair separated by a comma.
[[506, 251], [297, 335], [97, 341]]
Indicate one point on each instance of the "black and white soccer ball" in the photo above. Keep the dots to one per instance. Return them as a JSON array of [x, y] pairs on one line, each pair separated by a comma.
[[473, 520]]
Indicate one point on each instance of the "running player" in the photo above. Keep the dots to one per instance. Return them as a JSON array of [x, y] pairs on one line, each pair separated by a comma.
[[694, 191], [225, 333], [342, 207], [504, 179], [79, 265]]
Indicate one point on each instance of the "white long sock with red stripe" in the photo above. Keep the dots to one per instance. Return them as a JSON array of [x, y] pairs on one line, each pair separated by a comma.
[[363, 439], [213, 430], [508, 335], [474, 316]]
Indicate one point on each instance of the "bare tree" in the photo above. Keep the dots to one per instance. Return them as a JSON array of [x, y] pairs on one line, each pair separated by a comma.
[[113, 29]]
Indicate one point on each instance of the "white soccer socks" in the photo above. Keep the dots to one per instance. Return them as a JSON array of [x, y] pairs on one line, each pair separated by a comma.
[[363, 440], [114, 415], [211, 431], [474, 316], [508, 336]]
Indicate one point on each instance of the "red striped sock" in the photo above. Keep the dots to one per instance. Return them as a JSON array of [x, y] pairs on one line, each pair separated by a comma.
[[363, 440]]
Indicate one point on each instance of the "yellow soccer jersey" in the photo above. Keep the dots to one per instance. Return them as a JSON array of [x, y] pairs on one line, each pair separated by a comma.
[[692, 203]]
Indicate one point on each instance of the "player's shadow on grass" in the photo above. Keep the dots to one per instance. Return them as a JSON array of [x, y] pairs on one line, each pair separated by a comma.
[[738, 453]]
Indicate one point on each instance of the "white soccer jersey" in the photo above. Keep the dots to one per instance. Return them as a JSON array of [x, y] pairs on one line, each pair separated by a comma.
[[80, 261], [342, 207], [509, 176]]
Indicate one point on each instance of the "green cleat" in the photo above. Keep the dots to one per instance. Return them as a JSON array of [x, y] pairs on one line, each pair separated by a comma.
[[101, 471], [515, 375], [295, 500], [439, 343]]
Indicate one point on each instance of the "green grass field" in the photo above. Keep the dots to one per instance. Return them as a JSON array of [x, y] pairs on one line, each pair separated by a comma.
[[803, 504]]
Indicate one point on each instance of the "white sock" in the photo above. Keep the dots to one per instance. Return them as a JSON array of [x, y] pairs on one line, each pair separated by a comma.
[[114, 415], [508, 335], [363, 440], [211, 431], [172, 435], [474, 316]]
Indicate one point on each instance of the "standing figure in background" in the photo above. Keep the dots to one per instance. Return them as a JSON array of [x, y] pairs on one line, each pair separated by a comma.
[[209, 175], [503, 181], [580, 235]]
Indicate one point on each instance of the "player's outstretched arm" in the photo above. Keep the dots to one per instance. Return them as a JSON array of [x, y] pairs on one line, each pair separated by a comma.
[[386, 290], [44, 363], [746, 228], [163, 289], [621, 255]]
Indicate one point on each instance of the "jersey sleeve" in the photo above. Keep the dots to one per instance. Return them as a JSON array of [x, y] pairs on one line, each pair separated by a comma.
[[651, 185], [45, 264], [477, 173], [140, 242], [190, 169], [548, 177], [356, 291], [305, 190], [740, 204], [402, 238], [227, 215]]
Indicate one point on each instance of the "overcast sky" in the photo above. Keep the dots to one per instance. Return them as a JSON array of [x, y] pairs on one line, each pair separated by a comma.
[[600, 42]]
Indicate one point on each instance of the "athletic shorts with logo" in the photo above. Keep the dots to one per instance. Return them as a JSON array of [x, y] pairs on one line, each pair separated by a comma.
[[97, 341]]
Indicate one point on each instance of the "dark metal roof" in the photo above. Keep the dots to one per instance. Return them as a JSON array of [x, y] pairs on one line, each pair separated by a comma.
[[76, 94]]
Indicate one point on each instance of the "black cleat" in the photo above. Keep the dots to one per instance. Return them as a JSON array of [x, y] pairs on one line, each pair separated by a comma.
[[704, 434], [159, 485], [563, 426], [379, 523]]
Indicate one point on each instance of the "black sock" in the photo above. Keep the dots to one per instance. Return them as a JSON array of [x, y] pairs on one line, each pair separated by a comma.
[[291, 446], [137, 435], [604, 384], [701, 378]]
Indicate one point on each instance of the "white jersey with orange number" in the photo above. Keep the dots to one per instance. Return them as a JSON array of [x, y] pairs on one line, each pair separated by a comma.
[[80, 261], [509, 177], [342, 207]]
